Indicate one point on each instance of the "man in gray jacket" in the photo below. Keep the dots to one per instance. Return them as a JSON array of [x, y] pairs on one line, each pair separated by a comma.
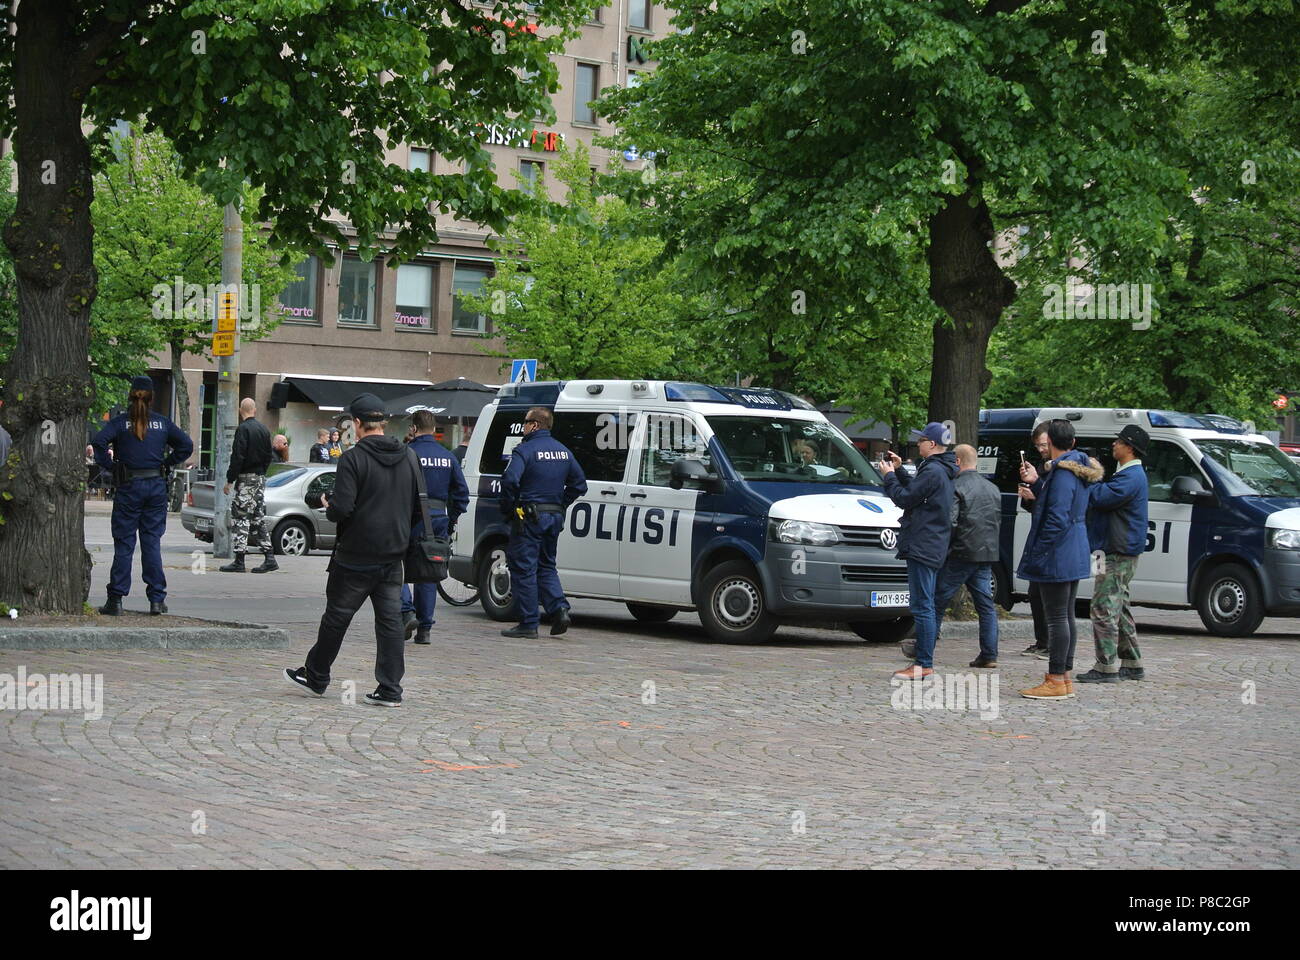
[[976, 522]]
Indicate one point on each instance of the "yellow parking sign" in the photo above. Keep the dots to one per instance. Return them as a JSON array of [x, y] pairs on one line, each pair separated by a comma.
[[223, 344]]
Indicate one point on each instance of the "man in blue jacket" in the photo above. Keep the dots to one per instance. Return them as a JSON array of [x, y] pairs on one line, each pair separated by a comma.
[[1117, 526], [444, 482], [541, 480], [924, 532]]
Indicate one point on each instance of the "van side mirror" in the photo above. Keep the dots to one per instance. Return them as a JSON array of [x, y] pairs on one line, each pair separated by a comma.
[[688, 468], [1189, 490]]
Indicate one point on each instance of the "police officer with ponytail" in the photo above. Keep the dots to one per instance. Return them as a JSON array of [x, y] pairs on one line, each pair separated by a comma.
[[141, 462]]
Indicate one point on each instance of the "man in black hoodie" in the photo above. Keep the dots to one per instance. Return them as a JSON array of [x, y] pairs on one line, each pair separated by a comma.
[[924, 532], [375, 503]]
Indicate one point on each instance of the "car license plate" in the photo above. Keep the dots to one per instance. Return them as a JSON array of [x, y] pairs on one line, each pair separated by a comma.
[[202, 523], [896, 599]]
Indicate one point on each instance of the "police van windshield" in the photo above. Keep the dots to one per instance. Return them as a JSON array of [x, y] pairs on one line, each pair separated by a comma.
[[1252, 469], [791, 451]]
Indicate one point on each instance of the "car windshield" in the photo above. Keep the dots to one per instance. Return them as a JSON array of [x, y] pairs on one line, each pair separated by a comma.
[[791, 451], [1251, 468], [286, 476]]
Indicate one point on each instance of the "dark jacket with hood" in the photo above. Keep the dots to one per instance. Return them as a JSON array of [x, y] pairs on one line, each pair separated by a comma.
[[977, 518], [1117, 520], [926, 528], [376, 502], [1056, 550]]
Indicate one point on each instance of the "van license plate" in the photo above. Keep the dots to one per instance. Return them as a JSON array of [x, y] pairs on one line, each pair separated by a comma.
[[880, 599]]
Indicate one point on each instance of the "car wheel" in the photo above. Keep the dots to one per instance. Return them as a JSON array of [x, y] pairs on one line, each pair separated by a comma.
[[1230, 602], [494, 584], [293, 538], [648, 613], [732, 607], [1002, 588], [883, 631]]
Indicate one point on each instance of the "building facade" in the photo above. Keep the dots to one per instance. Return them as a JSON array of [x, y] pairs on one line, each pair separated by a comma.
[[360, 325]]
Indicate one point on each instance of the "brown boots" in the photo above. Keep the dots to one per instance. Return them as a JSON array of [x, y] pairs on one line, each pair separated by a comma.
[[1055, 686]]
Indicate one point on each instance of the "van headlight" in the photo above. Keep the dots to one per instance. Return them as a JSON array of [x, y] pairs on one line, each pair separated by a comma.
[[1284, 539], [804, 531]]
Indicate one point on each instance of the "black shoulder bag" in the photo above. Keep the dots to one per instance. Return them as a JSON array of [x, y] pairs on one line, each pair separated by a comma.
[[426, 555]]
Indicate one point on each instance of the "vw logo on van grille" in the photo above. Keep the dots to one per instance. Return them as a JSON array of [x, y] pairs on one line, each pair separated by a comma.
[[888, 538]]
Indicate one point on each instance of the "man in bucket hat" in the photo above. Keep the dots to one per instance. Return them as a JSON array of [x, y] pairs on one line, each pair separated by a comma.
[[1117, 528]]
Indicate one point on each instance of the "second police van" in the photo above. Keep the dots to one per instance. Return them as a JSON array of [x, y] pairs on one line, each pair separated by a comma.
[[1223, 528], [744, 504]]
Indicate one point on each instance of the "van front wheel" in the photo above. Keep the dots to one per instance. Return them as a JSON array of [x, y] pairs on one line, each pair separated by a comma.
[[883, 631], [732, 607], [1230, 601]]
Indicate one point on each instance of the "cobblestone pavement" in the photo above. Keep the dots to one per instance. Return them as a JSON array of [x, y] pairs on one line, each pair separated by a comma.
[[546, 753]]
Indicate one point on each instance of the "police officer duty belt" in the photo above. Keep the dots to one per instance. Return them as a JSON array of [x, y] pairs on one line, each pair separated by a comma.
[[137, 474], [545, 507]]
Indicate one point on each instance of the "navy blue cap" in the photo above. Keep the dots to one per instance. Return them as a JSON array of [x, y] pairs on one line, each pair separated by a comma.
[[142, 383], [935, 432], [367, 408]]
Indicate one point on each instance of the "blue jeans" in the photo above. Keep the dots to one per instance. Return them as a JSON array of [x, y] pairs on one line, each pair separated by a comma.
[[920, 586], [978, 579]]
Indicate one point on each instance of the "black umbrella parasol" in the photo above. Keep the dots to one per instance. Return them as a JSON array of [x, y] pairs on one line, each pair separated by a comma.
[[454, 399]]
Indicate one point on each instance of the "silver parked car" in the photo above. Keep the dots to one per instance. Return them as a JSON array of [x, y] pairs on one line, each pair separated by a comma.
[[295, 527]]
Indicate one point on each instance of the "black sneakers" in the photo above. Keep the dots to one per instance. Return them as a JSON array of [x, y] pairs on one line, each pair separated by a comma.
[[519, 631], [381, 699], [1096, 676], [981, 663], [409, 623], [1034, 650], [560, 622], [1132, 673], [422, 635], [299, 679]]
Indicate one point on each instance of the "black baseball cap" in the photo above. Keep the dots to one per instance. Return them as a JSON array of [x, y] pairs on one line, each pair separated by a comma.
[[367, 408], [142, 383], [1136, 438]]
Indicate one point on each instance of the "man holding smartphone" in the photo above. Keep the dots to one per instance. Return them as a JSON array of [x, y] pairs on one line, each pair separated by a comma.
[[924, 533]]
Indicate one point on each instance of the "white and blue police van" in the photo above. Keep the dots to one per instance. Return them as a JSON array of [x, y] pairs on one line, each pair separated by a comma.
[[1223, 527], [744, 504]]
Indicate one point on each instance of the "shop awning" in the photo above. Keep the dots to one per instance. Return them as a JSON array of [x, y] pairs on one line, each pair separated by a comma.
[[335, 395]]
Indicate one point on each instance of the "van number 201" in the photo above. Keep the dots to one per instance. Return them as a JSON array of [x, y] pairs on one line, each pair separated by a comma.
[[1152, 528]]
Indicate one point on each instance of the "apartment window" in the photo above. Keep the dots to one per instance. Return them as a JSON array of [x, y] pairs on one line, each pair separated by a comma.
[[298, 301], [356, 293], [585, 91], [468, 280], [530, 171], [419, 160], [638, 14], [414, 307]]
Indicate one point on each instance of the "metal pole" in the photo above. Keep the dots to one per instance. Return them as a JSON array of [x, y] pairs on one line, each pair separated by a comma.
[[227, 411]]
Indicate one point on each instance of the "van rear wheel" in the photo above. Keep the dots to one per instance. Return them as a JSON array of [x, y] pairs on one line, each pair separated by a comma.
[[1230, 603], [494, 584], [732, 607]]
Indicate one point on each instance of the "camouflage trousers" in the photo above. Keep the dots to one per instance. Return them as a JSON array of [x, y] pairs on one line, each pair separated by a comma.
[[1113, 632], [248, 513]]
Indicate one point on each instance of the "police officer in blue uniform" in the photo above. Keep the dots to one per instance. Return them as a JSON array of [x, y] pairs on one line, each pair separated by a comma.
[[444, 481], [140, 466], [541, 480]]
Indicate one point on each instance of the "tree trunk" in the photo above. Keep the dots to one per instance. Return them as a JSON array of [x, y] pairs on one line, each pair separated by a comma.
[[182, 388], [44, 566], [968, 285]]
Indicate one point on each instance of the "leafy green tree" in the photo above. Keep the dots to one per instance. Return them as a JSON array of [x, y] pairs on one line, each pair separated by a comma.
[[298, 98], [1224, 337], [841, 139], [586, 293], [153, 227]]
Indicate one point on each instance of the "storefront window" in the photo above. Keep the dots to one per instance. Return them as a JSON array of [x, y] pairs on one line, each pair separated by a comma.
[[468, 280], [298, 300], [414, 308], [356, 293]]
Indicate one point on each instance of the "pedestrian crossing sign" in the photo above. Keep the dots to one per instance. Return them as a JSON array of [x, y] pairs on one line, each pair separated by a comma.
[[523, 371]]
